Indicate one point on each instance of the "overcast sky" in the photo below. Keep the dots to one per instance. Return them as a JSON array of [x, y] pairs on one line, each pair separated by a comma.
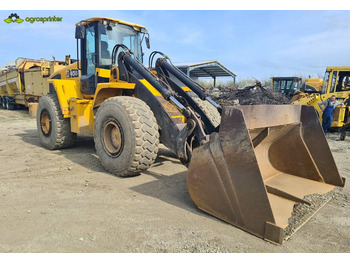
[[256, 44]]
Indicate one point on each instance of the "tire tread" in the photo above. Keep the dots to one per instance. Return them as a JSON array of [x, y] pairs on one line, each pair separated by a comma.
[[146, 134]]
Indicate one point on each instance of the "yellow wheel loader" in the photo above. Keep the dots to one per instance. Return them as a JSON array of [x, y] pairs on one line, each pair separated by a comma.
[[336, 82], [238, 157]]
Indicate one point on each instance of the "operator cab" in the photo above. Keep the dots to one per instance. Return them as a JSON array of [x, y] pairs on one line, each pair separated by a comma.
[[336, 80], [98, 38], [286, 86]]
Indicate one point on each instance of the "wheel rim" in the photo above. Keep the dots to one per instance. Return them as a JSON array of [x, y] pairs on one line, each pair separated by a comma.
[[112, 137], [45, 123]]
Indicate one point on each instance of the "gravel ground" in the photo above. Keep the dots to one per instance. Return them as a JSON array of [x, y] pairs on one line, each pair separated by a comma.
[[64, 201]]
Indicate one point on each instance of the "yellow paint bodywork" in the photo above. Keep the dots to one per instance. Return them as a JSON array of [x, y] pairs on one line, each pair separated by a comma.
[[66, 90], [81, 116], [79, 109], [315, 83], [107, 90], [106, 73]]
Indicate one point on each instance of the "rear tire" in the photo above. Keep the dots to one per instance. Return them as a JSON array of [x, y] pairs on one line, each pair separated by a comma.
[[10, 105], [3, 102], [53, 130], [126, 136]]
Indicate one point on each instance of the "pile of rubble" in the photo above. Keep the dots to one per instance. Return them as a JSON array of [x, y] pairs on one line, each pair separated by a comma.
[[227, 97]]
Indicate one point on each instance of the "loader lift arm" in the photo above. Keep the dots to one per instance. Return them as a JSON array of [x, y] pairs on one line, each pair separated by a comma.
[[198, 126]]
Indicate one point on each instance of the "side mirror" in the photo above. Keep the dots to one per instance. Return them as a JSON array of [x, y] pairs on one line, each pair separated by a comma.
[[80, 32], [147, 42]]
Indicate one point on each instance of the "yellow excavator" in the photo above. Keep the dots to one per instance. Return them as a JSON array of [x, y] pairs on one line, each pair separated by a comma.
[[336, 82], [239, 158]]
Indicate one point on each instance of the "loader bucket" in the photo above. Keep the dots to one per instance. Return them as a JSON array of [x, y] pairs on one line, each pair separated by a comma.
[[263, 160]]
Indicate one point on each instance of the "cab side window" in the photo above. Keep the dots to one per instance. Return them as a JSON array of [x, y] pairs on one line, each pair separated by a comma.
[[343, 83]]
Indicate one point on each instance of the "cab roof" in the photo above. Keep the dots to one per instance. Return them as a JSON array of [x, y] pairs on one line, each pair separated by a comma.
[[116, 21], [338, 68]]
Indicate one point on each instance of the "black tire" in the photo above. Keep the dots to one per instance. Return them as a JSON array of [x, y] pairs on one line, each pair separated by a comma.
[[6, 103], [210, 110], [10, 105], [342, 136], [3, 102], [56, 134], [1, 106], [136, 147]]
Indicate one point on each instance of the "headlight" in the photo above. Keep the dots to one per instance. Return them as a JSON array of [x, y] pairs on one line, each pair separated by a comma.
[[143, 30]]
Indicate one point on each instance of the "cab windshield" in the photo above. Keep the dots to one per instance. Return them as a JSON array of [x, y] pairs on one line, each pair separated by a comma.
[[284, 86], [118, 34]]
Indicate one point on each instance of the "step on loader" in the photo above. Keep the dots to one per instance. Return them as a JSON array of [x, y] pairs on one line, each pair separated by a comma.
[[248, 165]]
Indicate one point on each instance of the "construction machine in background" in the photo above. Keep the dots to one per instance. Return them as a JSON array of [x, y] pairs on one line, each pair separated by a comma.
[[287, 86], [336, 82], [294, 87], [238, 158], [310, 86], [23, 82]]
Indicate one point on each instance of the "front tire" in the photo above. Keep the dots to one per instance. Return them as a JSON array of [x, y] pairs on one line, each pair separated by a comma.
[[54, 131], [126, 136], [210, 110]]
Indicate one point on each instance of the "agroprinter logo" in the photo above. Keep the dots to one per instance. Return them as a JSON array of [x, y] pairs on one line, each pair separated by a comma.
[[14, 18]]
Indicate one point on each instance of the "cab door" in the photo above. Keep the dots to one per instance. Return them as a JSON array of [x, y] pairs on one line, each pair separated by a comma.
[[89, 60]]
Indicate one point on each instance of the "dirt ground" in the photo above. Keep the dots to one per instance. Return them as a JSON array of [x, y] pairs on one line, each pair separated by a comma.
[[64, 201]]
